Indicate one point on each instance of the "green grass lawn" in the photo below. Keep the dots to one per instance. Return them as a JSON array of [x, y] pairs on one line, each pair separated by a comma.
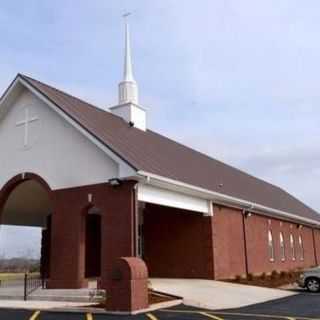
[[14, 276]]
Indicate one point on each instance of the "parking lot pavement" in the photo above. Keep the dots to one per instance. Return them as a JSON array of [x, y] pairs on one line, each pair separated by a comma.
[[15, 314], [301, 307]]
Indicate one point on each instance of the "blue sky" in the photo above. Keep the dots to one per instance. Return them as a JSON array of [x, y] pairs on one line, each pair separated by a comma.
[[238, 80]]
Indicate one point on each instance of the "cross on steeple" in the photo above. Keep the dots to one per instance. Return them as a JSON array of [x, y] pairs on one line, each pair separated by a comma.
[[26, 122]]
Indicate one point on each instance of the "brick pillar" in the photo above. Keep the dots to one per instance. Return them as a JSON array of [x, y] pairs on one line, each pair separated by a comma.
[[117, 228], [129, 285], [67, 263], [45, 250], [208, 244]]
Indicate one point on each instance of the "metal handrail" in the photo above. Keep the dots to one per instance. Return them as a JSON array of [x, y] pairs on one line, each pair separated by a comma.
[[32, 283]]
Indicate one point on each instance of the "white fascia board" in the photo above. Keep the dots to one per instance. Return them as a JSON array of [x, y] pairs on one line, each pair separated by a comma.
[[8, 93], [9, 90], [151, 194], [220, 198], [124, 168]]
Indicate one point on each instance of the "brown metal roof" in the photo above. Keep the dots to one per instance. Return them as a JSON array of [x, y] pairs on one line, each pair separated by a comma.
[[154, 153]]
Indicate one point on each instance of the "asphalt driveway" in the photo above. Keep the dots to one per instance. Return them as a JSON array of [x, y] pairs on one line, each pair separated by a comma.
[[304, 306]]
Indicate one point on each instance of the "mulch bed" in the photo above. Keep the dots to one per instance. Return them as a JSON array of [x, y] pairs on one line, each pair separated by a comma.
[[154, 297], [157, 297], [275, 280]]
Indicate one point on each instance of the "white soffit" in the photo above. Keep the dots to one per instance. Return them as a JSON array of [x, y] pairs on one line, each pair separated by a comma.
[[219, 198], [155, 195]]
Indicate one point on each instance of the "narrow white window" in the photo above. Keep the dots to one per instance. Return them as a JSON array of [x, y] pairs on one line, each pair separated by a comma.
[[270, 246], [282, 248], [292, 247], [301, 250]]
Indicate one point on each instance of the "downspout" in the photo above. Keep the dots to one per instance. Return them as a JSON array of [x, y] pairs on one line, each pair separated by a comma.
[[244, 217], [314, 247], [136, 221]]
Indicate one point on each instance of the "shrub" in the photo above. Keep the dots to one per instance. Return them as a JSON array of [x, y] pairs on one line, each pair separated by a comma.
[[263, 276], [274, 274], [250, 277], [238, 278]]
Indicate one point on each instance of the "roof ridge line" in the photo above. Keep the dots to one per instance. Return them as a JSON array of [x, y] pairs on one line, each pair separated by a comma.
[[66, 93], [109, 145]]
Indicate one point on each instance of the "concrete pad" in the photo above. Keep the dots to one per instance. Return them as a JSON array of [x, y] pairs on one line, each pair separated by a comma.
[[40, 305], [63, 295], [212, 294], [15, 291]]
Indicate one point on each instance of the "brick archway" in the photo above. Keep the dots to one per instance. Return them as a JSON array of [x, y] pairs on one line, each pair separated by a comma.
[[17, 180], [12, 193]]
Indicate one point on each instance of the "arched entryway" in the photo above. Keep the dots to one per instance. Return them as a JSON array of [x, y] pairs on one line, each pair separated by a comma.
[[26, 201]]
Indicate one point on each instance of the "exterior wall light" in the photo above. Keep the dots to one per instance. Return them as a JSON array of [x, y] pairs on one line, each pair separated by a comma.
[[115, 182], [247, 214]]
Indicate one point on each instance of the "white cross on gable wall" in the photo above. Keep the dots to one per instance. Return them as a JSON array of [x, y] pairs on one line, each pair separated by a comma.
[[26, 123]]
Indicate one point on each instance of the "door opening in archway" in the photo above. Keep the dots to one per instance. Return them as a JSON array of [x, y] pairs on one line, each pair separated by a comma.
[[25, 230]]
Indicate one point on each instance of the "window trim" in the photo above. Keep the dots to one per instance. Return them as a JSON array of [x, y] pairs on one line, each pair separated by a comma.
[[282, 247], [271, 246], [292, 247], [301, 247]]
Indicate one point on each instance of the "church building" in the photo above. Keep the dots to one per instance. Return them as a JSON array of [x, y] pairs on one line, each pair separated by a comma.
[[102, 185]]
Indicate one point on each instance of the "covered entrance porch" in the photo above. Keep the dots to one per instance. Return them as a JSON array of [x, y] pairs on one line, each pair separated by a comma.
[[175, 233], [86, 230]]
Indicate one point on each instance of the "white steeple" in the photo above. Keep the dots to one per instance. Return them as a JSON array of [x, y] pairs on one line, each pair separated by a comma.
[[128, 107], [128, 89]]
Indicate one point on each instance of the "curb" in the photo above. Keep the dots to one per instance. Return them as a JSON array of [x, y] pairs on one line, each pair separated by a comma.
[[93, 310]]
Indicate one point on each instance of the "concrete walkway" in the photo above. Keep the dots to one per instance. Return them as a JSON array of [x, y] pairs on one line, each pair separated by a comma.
[[79, 295], [216, 294], [16, 292], [42, 305]]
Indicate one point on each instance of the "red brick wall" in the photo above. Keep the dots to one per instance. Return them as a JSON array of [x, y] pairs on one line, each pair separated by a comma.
[[118, 207], [67, 269], [229, 255], [68, 238], [229, 249], [317, 245], [177, 243], [257, 236]]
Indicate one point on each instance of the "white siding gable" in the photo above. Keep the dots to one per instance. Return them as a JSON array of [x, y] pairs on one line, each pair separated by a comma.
[[55, 150]]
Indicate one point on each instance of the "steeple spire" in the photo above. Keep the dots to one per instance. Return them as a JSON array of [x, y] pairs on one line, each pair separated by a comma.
[[128, 107], [127, 74], [128, 89]]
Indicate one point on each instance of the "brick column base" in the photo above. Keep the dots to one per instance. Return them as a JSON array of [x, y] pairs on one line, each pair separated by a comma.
[[128, 288], [65, 284]]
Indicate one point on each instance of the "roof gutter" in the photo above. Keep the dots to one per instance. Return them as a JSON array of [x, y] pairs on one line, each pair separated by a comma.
[[220, 198]]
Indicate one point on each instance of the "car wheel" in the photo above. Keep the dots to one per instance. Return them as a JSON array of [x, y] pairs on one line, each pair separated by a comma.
[[313, 285]]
